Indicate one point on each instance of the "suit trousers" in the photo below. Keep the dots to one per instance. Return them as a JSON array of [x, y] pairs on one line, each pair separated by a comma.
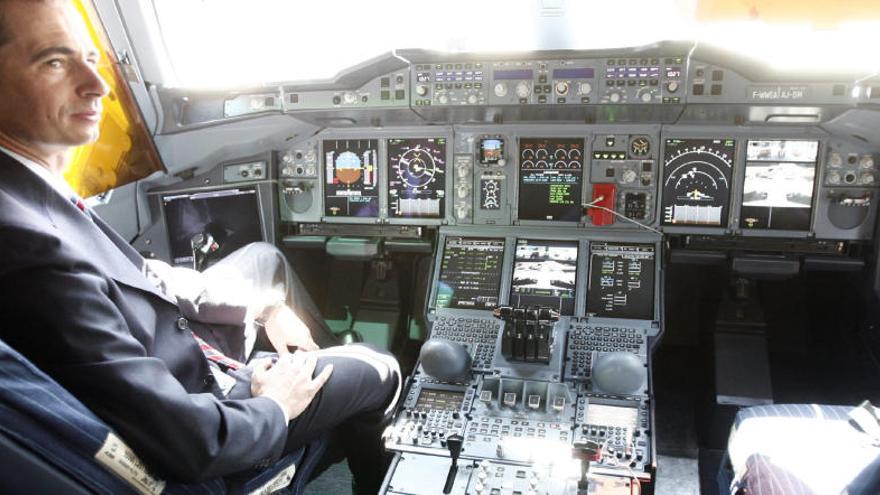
[[353, 407]]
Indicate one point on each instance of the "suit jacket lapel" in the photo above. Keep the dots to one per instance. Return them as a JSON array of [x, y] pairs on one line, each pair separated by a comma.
[[92, 237]]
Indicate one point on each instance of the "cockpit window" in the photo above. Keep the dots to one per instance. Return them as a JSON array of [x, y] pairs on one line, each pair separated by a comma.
[[225, 43]]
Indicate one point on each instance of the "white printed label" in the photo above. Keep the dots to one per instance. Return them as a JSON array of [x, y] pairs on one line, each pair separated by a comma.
[[280, 481], [118, 457]]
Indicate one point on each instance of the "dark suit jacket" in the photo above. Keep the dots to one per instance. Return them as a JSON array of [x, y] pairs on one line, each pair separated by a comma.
[[74, 301]]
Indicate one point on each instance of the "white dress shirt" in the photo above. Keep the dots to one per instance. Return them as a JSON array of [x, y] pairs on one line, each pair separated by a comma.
[[56, 182]]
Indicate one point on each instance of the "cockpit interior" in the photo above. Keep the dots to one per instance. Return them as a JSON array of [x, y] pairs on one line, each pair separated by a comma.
[[646, 266]]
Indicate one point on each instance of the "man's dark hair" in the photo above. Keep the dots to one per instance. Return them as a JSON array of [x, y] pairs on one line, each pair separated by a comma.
[[4, 35], [4, 30]]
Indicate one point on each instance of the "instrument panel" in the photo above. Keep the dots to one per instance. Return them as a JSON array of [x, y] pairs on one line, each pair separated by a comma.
[[791, 182]]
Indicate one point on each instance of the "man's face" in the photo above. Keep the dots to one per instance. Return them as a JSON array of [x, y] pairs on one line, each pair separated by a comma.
[[50, 91]]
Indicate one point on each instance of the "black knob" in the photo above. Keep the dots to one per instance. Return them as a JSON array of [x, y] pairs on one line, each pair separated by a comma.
[[454, 443]]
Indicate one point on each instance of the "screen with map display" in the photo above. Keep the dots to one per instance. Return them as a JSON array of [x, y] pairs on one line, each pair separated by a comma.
[[416, 177]]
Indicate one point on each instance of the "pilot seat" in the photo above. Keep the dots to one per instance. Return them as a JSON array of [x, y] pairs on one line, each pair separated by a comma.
[[51, 443]]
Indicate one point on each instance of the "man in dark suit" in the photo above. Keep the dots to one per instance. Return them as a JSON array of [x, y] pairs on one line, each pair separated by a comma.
[[76, 301]]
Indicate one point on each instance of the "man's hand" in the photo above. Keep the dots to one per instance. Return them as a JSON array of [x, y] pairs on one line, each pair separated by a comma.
[[289, 381], [284, 329]]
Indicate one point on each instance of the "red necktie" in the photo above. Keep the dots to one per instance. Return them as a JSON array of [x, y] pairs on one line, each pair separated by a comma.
[[76, 200], [214, 355]]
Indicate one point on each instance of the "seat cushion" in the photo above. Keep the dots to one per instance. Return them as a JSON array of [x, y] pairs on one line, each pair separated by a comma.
[[797, 449]]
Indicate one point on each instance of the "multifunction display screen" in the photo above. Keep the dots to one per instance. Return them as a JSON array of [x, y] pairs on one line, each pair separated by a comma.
[[231, 217], [551, 172], [778, 189], [621, 281], [696, 181], [351, 182], [491, 151], [439, 400], [416, 177], [470, 273], [544, 273]]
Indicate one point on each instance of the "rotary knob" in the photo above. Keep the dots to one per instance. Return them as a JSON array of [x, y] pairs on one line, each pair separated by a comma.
[[462, 211], [349, 98], [615, 97], [672, 86], [646, 95], [562, 88], [523, 90], [443, 99], [866, 179], [835, 160], [866, 162], [422, 90], [628, 176], [500, 90], [463, 190], [472, 99], [584, 88]]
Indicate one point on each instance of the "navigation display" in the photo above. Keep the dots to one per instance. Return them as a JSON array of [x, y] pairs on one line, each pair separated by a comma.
[[778, 189], [544, 273], [696, 181], [470, 273], [550, 178], [416, 177], [621, 281], [351, 183]]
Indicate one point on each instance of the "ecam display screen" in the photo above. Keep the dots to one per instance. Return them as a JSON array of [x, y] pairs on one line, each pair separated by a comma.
[[621, 283], [230, 216], [778, 188], [470, 273], [351, 185], [551, 174], [545, 273]]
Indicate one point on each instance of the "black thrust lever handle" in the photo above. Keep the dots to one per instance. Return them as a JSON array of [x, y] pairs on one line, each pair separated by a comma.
[[453, 443]]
